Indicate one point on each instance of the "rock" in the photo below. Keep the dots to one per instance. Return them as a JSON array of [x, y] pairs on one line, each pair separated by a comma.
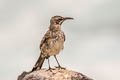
[[55, 74]]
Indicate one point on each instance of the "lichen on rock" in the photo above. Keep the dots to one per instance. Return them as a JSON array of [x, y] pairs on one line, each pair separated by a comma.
[[54, 74]]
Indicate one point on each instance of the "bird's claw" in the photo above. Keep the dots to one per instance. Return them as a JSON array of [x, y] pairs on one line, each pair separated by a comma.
[[59, 67], [50, 69]]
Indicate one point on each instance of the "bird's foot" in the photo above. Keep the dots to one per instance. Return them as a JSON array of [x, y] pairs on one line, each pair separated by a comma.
[[50, 69], [59, 67]]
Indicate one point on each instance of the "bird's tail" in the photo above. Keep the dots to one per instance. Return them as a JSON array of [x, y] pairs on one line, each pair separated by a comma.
[[38, 64]]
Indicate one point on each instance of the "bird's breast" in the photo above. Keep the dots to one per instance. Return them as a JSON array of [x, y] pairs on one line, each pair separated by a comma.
[[56, 44], [53, 45]]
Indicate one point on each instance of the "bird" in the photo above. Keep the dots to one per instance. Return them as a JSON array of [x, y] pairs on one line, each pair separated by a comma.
[[52, 42]]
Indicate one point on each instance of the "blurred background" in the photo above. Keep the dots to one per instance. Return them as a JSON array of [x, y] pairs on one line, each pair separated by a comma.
[[92, 44]]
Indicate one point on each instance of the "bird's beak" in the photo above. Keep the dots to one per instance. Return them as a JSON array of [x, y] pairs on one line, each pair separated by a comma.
[[67, 18]]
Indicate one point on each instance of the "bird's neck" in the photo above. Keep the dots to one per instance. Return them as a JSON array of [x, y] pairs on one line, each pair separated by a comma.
[[55, 27]]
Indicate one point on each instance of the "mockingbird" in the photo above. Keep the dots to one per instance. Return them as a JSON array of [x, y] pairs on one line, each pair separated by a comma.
[[52, 42]]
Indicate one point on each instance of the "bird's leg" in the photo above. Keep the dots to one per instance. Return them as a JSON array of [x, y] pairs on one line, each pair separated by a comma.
[[49, 65], [58, 63]]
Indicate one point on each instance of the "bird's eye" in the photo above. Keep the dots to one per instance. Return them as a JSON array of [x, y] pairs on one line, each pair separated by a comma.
[[60, 19]]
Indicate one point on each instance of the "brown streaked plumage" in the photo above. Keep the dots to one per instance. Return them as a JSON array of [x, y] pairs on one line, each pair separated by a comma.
[[52, 42]]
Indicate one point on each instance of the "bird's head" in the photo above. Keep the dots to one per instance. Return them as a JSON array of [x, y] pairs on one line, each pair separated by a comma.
[[59, 19]]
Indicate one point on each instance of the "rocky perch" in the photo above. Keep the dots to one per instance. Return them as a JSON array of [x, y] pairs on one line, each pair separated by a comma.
[[55, 74]]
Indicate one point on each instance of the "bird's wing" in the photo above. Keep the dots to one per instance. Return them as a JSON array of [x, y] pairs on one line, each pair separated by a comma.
[[45, 38], [64, 36]]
